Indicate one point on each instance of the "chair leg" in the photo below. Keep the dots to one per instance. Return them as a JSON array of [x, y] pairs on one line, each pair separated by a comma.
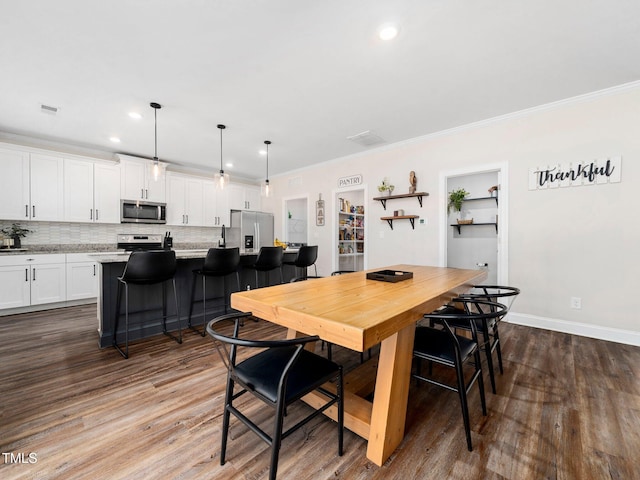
[[276, 440], [114, 338], [462, 394], [483, 400], [225, 420], [496, 342], [193, 296], [204, 306]]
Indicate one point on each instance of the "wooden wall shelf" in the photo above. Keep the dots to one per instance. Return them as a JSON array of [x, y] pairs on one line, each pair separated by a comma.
[[384, 199], [411, 218]]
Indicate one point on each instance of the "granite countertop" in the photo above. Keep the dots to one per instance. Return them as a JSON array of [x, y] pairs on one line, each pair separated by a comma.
[[114, 257], [109, 252]]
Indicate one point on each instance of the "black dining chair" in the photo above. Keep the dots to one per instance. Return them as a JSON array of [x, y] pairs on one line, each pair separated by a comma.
[[489, 328], [443, 346], [269, 259], [307, 256], [219, 263], [280, 373], [142, 269]]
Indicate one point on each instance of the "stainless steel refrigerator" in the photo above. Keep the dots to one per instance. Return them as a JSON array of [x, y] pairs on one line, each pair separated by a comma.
[[256, 229]]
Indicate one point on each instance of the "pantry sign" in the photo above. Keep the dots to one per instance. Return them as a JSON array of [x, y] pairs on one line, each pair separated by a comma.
[[350, 181], [573, 174]]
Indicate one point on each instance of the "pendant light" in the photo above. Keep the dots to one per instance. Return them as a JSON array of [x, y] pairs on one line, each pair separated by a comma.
[[156, 164], [221, 178], [266, 189]]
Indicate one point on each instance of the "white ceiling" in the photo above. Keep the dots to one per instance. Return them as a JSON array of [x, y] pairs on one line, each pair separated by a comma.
[[304, 74]]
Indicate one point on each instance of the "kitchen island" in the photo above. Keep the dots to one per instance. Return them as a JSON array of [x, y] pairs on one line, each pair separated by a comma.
[[145, 304]]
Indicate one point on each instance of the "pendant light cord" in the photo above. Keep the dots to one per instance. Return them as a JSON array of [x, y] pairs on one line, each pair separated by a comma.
[[155, 121]]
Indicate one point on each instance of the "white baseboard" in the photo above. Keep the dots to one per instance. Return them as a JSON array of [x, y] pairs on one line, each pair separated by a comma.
[[627, 337]]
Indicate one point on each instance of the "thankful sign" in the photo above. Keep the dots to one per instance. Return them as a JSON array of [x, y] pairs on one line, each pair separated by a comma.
[[572, 174]]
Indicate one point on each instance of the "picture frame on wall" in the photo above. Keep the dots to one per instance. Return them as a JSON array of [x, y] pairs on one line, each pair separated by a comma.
[[320, 213]]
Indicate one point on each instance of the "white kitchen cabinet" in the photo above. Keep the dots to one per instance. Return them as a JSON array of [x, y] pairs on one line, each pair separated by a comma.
[[46, 187], [14, 185], [82, 277], [91, 192], [185, 200], [137, 181], [243, 197], [106, 193], [15, 286], [32, 280], [31, 186], [216, 206]]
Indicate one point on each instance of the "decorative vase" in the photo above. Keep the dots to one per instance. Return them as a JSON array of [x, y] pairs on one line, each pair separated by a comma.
[[16, 242]]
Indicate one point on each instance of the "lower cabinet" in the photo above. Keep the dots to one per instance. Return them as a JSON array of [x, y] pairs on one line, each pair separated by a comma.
[[82, 277], [28, 280], [32, 280]]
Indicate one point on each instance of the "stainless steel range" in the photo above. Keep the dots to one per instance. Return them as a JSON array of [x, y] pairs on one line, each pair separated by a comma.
[[136, 241]]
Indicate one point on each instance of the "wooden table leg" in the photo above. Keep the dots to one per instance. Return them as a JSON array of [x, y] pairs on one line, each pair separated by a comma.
[[391, 395]]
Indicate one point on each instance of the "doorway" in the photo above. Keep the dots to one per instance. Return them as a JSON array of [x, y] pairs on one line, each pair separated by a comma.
[[296, 220], [478, 241]]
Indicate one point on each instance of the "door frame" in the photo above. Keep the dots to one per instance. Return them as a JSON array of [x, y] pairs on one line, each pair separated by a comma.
[[285, 214], [335, 218], [502, 168]]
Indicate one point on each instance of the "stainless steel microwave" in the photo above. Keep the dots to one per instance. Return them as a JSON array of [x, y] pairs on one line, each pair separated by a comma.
[[136, 211]]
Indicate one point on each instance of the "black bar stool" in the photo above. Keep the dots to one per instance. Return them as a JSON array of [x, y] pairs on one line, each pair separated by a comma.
[[307, 256], [147, 268], [219, 262], [269, 259]]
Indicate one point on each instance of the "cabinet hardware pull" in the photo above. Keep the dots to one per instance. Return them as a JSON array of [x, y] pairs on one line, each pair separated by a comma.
[[34, 212], [94, 270], [147, 193], [142, 193], [26, 211], [96, 214], [34, 274], [26, 274], [91, 214], [187, 219]]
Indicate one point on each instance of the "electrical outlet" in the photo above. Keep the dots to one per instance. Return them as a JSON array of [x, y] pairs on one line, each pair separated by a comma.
[[576, 302], [423, 221]]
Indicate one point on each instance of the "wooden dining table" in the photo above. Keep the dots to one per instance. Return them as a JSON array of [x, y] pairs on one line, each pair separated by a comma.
[[359, 313]]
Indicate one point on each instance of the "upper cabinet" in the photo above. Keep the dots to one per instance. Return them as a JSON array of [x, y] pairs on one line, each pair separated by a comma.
[[31, 186], [92, 191], [243, 197], [138, 182], [185, 200], [216, 206]]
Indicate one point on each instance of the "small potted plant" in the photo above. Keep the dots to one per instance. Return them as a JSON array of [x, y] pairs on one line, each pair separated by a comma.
[[456, 197], [16, 232], [385, 186]]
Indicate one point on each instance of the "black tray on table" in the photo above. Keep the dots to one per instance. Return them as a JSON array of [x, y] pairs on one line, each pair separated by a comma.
[[390, 275]]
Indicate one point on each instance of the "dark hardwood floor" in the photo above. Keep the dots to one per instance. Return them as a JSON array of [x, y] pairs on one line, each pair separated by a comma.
[[567, 407]]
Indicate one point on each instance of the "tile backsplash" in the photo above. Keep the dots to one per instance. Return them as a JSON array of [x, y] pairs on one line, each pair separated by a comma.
[[55, 233]]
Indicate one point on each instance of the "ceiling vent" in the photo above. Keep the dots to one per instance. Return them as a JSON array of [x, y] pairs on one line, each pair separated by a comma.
[[48, 109], [366, 139]]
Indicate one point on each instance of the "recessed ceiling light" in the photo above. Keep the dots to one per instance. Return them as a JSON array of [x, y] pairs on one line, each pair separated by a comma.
[[114, 139], [262, 152], [228, 164], [388, 31], [135, 115]]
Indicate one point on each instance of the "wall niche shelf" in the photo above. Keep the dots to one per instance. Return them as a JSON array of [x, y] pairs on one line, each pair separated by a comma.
[[482, 198], [458, 225], [411, 218], [384, 199]]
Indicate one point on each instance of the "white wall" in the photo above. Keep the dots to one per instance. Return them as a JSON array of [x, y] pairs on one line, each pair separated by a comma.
[[577, 241]]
